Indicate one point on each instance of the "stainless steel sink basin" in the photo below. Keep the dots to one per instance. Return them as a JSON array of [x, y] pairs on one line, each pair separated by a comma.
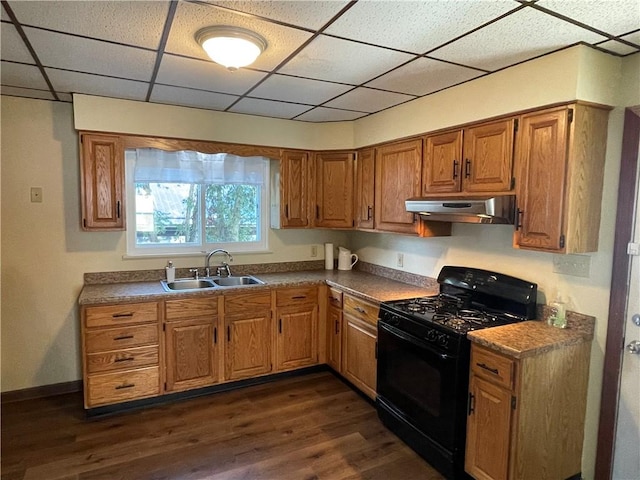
[[187, 284], [234, 281]]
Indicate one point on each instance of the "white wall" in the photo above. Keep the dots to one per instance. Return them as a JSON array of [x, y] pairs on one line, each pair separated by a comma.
[[44, 253]]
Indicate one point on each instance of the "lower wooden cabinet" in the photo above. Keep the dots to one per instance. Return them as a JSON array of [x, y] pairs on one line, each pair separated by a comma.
[[359, 344], [334, 338], [526, 415], [297, 324]]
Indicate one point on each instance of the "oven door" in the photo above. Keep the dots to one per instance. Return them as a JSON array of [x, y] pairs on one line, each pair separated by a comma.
[[422, 383]]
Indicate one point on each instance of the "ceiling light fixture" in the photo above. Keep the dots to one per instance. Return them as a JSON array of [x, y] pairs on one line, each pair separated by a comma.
[[232, 47]]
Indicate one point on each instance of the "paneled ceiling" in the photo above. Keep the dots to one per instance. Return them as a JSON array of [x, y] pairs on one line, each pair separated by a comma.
[[328, 60]]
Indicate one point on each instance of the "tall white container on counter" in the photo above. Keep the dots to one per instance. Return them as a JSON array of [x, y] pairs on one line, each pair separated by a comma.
[[171, 272], [328, 256]]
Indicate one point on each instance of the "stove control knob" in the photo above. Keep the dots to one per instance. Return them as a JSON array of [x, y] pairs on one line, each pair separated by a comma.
[[394, 320], [443, 340], [432, 335]]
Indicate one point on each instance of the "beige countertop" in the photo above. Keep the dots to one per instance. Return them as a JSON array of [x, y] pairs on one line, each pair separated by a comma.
[[361, 284]]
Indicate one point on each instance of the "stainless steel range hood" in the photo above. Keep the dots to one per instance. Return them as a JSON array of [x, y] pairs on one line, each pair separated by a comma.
[[499, 210]]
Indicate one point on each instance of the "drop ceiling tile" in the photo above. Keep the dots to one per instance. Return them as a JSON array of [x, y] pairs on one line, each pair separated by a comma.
[[268, 108], [416, 26], [615, 17], [322, 114], [332, 59], [424, 76], [75, 82], [622, 48], [12, 46], [301, 90], [368, 100], [190, 17], [115, 21], [515, 38], [205, 75], [65, 97], [19, 75], [91, 56], [27, 92], [4, 16], [191, 98], [303, 13]]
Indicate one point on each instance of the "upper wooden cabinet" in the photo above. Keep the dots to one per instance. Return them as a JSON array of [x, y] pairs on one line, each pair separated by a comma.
[[295, 195], [102, 187], [478, 159], [397, 177], [365, 189], [334, 189], [561, 155]]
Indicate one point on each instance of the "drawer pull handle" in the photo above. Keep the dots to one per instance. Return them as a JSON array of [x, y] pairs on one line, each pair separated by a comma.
[[125, 385], [122, 315], [359, 310], [126, 359], [495, 371], [298, 297], [123, 337]]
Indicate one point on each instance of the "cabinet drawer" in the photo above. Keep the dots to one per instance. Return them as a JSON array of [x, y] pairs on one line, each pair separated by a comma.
[[122, 386], [126, 314], [191, 308], [492, 366], [365, 311], [119, 338], [248, 303], [122, 359], [335, 297], [299, 295]]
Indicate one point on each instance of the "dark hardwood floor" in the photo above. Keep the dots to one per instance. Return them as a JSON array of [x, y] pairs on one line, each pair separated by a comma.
[[308, 427]]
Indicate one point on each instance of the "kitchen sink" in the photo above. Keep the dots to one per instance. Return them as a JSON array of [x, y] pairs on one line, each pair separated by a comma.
[[234, 281], [187, 284]]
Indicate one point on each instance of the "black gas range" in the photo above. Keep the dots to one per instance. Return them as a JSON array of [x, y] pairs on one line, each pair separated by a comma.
[[423, 357]]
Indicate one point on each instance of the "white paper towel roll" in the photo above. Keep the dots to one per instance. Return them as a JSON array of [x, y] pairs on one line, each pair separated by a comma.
[[328, 256]]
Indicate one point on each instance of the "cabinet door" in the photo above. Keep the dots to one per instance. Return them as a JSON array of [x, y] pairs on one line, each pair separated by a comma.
[[488, 157], [542, 154], [359, 362], [248, 346], [102, 166], [488, 431], [294, 189], [334, 338], [297, 337], [398, 177], [441, 168], [334, 190], [191, 352], [365, 193]]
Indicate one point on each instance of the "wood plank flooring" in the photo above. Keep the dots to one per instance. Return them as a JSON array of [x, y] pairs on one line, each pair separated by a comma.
[[308, 427]]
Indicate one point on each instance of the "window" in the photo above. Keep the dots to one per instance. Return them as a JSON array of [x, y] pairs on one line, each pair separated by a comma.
[[192, 202]]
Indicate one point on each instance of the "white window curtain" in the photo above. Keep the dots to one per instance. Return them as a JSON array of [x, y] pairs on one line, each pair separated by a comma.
[[153, 165]]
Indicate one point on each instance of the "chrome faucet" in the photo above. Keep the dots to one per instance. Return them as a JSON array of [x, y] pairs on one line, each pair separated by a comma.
[[223, 269]]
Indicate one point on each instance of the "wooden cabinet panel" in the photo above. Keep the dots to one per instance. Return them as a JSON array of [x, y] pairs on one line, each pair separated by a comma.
[[361, 309], [334, 189], [102, 188], [488, 431], [118, 387], [334, 338], [442, 163], [365, 189], [294, 189], [248, 345], [359, 362], [189, 308], [488, 157], [398, 170], [122, 359], [496, 368], [250, 303], [124, 314], [297, 295], [297, 337], [335, 297], [191, 352], [101, 340]]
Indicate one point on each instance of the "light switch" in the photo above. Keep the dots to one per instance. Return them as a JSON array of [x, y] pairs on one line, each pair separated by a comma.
[[36, 194]]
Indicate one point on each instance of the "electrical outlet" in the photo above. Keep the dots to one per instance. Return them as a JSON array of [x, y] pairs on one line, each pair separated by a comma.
[[400, 262], [36, 194], [576, 265], [314, 250]]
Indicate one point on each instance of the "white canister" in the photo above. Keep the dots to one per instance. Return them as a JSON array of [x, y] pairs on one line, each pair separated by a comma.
[[346, 259], [328, 256]]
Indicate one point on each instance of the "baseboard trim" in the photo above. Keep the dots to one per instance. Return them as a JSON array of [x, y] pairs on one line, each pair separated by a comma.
[[41, 392]]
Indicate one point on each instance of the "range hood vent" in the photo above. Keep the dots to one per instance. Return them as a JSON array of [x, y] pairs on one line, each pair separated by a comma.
[[489, 210]]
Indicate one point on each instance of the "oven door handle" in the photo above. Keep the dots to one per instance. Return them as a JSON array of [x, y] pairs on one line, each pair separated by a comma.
[[415, 341]]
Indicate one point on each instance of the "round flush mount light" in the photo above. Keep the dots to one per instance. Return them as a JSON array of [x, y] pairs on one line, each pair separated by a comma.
[[232, 47]]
